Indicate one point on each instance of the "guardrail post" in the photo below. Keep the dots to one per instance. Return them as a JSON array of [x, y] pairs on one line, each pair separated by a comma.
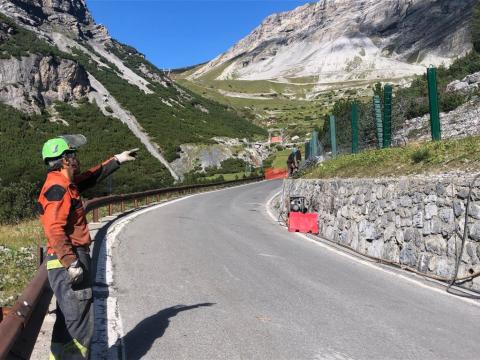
[[95, 215], [122, 206], [135, 203], [110, 209], [39, 254], [158, 197], [146, 200]]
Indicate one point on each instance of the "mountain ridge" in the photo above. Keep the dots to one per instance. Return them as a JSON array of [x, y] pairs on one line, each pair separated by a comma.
[[346, 40], [161, 114]]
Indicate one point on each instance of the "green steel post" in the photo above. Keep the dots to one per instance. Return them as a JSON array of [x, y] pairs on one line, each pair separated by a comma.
[[355, 128], [307, 150], [377, 114], [387, 115], [314, 144], [333, 135], [433, 104]]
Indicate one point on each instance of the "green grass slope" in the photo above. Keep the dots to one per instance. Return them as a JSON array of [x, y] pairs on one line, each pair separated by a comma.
[[266, 103], [22, 137], [428, 158]]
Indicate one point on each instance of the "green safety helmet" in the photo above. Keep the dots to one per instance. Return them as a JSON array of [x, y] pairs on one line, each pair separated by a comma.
[[56, 147]]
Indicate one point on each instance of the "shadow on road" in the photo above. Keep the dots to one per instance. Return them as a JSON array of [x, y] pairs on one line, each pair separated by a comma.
[[139, 340]]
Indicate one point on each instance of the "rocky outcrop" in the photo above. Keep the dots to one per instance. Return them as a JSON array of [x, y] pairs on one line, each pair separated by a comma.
[[459, 123], [201, 157], [71, 16], [409, 221], [467, 85], [33, 82], [342, 40]]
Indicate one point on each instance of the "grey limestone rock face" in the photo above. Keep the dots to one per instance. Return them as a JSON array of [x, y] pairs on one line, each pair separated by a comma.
[[431, 210], [459, 123], [458, 208], [32, 82], [474, 231], [474, 211], [436, 244], [71, 16], [471, 249], [349, 40], [367, 230], [446, 215], [424, 262], [418, 220], [408, 235], [409, 256]]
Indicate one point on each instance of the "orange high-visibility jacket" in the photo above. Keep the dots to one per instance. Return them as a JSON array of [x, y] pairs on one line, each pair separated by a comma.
[[61, 210]]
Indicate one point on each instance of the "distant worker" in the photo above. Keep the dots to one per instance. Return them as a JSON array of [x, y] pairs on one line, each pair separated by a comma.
[[293, 161], [68, 241]]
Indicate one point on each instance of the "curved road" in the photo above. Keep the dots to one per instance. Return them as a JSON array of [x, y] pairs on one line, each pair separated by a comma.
[[213, 277]]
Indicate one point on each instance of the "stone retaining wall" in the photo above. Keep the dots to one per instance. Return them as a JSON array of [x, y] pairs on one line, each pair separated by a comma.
[[410, 221]]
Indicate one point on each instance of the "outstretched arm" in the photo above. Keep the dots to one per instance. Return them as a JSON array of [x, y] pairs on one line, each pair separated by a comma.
[[93, 176]]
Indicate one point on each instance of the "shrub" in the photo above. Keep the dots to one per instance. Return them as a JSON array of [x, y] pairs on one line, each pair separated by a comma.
[[420, 155], [17, 202]]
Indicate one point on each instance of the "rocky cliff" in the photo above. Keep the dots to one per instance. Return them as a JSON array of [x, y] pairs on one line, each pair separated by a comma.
[[52, 50], [346, 40], [33, 82]]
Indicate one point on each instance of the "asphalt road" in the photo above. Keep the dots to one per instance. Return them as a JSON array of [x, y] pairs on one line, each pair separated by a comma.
[[213, 277]]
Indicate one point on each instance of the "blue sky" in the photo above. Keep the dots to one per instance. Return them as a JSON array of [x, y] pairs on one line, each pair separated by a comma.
[[177, 33]]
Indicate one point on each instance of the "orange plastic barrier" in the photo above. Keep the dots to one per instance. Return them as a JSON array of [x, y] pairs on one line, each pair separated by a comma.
[[272, 173], [304, 223], [276, 139]]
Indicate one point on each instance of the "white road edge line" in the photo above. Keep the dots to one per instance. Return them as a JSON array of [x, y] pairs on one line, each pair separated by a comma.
[[113, 320], [366, 263]]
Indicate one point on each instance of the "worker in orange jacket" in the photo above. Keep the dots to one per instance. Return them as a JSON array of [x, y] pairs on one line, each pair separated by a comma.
[[68, 241]]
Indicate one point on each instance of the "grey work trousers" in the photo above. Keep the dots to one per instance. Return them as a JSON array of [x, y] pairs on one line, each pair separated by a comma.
[[73, 328]]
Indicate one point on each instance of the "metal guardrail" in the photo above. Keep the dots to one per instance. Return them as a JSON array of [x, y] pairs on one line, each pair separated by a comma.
[[20, 327]]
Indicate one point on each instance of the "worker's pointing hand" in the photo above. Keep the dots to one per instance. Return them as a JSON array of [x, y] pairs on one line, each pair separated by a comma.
[[128, 155]]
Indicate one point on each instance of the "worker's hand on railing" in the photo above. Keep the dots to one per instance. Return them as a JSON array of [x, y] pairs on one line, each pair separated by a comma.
[[75, 272], [128, 155]]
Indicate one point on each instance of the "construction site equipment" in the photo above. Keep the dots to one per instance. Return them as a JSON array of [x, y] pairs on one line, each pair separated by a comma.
[[299, 220], [272, 174], [304, 223], [297, 204]]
